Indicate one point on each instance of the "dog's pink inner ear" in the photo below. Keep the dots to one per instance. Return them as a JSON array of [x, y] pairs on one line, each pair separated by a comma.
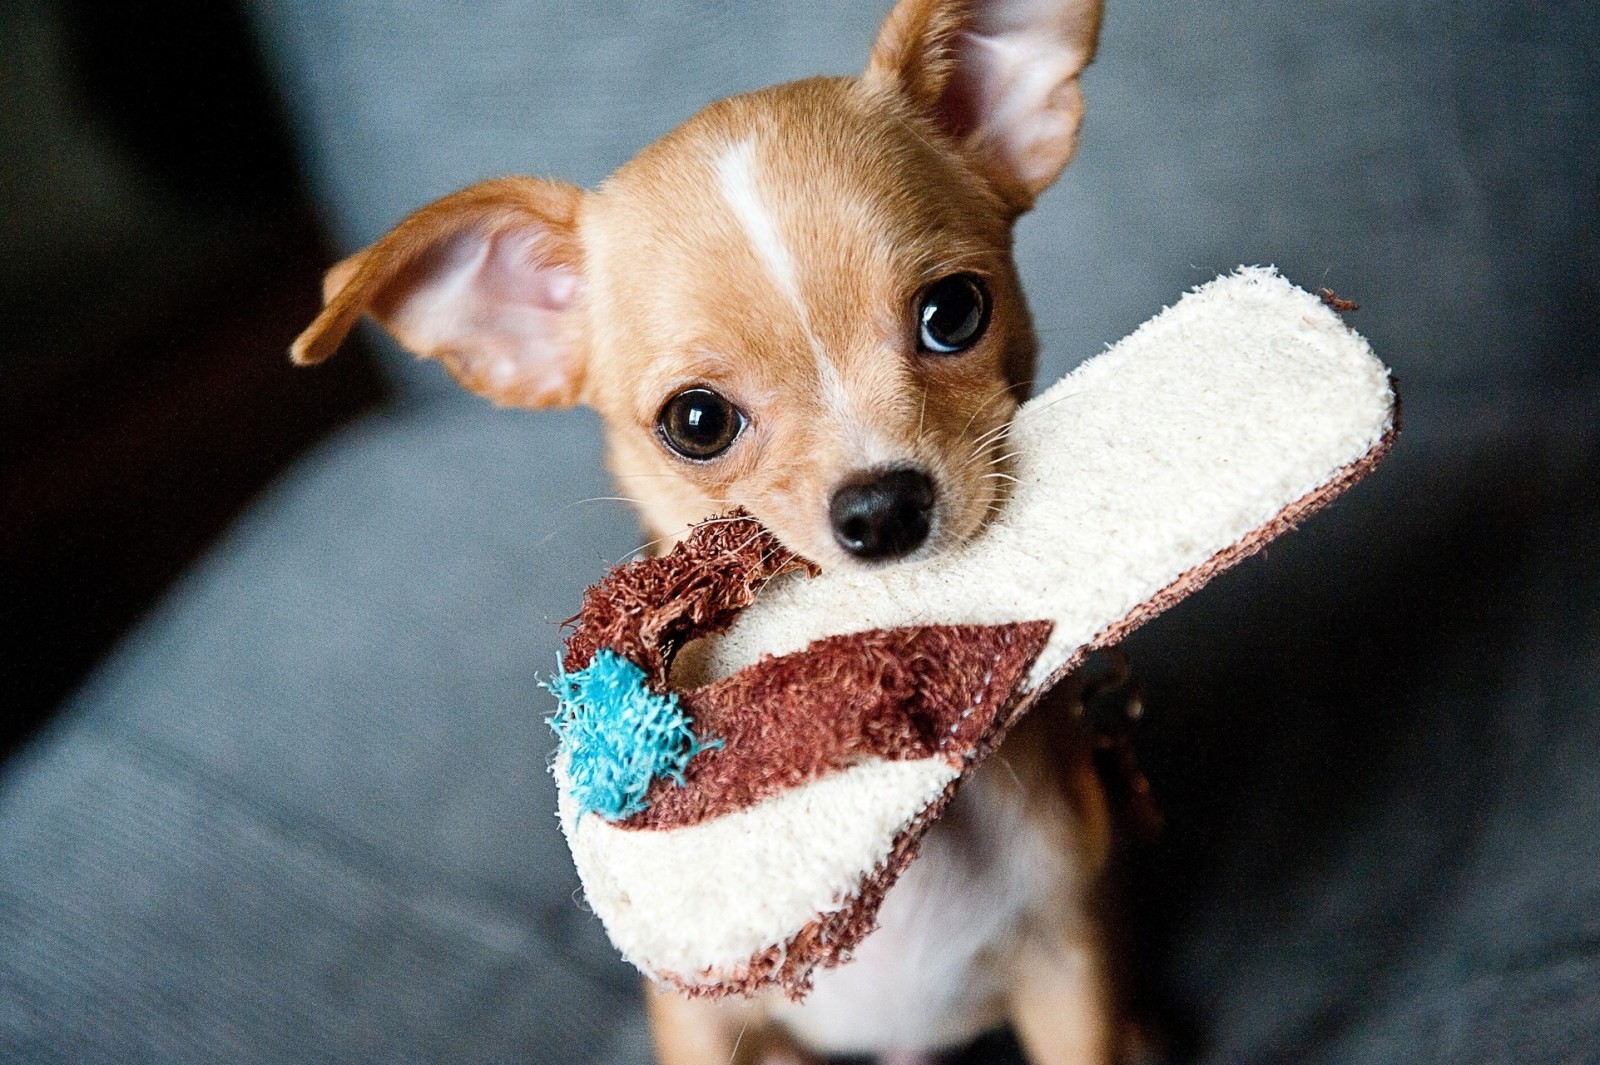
[[488, 280], [498, 309], [1003, 76]]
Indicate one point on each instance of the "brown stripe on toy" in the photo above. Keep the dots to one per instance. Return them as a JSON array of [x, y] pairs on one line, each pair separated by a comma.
[[919, 692], [647, 610]]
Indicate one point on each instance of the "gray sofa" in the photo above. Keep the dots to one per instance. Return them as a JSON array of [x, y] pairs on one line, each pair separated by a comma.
[[302, 814]]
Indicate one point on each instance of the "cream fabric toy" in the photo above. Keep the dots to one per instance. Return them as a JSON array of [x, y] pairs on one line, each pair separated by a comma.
[[736, 824]]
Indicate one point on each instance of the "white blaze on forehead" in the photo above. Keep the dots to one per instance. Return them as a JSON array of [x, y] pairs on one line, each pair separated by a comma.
[[736, 177]]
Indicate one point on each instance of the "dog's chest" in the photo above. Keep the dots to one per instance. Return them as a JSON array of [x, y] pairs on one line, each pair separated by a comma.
[[933, 974]]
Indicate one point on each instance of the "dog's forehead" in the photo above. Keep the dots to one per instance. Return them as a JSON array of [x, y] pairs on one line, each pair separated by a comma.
[[813, 190]]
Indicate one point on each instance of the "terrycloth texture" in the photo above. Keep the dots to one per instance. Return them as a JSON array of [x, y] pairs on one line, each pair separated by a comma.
[[1141, 467], [711, 906], [767, 853], [648, 610], [921, 692], [1154, 466]]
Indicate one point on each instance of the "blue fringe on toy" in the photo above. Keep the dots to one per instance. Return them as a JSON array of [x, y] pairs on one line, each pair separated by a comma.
[[618, 735]]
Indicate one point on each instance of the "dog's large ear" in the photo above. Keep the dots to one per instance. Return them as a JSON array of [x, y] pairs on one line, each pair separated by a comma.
[[1000, 77], [487, 280]]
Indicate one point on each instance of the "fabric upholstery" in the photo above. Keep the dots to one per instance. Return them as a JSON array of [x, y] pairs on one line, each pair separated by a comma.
[[302, 814]]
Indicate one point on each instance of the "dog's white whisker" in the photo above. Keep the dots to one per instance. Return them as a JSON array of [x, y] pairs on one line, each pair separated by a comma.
[[986, 446], [997, 439], [563, 526], [1034, 408], [992, 439], [606, 499], [1002, 390], [668, 536], [733, 1055], [640, 551], [1002, 428]]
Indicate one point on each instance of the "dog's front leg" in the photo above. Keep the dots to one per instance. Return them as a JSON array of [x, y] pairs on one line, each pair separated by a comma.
[[1062, 1006], [691, 1031]]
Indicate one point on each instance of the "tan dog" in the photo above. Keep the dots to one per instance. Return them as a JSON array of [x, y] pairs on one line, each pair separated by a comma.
[[803, 302]]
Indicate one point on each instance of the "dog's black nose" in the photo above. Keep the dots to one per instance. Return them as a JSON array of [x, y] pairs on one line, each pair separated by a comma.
[[882, 515]]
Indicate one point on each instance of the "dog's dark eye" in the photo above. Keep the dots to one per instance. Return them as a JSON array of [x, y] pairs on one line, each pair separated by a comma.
[[699, 424], [952, 314]]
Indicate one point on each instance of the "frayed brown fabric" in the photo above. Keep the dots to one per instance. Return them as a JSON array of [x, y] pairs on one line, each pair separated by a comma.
[[934, 690], [647, 610]]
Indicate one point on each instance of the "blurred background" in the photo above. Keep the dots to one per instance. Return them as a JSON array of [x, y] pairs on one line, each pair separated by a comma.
[[273, 784], [160, 246]]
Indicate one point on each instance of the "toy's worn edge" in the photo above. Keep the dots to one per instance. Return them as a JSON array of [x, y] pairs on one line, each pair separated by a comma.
[[829, 940], [1192, 580], [789, 965]]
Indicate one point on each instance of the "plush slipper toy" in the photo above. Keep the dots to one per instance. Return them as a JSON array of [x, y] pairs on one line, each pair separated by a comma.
[[736, 829]]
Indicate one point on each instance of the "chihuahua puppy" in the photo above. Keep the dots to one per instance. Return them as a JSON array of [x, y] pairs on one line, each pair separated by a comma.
[[803, 302]]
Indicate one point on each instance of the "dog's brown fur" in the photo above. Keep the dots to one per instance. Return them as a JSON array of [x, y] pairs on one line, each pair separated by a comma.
[[773, 248]]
